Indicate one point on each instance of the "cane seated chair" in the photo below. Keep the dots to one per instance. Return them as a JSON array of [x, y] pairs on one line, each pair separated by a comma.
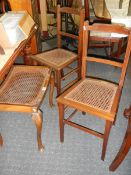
[[95, 96], [23, 91], [102, 39], [60, 58]]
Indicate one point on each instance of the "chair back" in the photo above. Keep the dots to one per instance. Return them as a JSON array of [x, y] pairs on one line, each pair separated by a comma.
[[120, 63], [68, 12]]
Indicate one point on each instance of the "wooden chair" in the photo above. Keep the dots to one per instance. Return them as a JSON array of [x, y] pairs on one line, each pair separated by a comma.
[[60, 58], [126, 145], [23, 91], [95, 96], [102, 39]]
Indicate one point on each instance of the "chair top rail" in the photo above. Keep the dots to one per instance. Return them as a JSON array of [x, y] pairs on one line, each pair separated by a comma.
[[70, 10], [109, 28]]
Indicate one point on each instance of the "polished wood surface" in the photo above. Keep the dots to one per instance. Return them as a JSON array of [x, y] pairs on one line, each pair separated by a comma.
[[126, 145]]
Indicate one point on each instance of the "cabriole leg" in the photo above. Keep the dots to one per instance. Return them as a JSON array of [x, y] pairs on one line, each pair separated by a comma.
[[38, 120]]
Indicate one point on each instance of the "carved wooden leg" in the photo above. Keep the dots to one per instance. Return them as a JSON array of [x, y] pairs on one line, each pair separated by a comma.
[[52, 84], [61, 123], [38, 119], [1, 140], [126, 145], [105, 139]]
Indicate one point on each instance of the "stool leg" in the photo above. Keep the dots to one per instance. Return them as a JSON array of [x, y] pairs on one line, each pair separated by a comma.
[[105, 139], [38, 119]]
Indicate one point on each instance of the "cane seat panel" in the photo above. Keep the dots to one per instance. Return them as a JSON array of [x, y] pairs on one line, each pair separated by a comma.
[[25, 85], [56, 57], [94, 93]]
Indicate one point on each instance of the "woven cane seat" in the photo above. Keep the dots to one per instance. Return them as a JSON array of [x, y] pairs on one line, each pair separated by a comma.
[[55, 58], [25, 85], [100, 34], [94, 93]]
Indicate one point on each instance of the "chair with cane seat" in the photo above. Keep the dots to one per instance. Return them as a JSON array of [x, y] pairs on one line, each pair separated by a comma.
[[95, 96], [23, 90], [60, 58], [111, 45]]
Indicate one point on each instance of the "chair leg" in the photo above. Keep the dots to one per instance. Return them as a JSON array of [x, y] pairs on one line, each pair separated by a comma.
[[79, 64], [105, 139], [126, 145], [52, 84], [61, 118], [38, 120], [119, 49], [58, 82], [1, 140]]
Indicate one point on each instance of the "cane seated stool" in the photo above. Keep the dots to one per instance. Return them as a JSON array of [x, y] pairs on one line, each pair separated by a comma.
[[23, 90], [60, 58], [97, 96]]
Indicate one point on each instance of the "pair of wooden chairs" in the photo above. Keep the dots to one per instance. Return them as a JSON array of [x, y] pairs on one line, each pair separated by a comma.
[[96, 96]]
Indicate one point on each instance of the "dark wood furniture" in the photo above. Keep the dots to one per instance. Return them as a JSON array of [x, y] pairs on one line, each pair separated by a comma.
[[126, 145], [95, 96], [59, 59]]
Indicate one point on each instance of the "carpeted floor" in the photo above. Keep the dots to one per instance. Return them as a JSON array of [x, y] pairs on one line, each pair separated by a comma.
[[78, 155]]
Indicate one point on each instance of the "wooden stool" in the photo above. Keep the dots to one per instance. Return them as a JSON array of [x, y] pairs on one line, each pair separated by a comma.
[[126, 145]]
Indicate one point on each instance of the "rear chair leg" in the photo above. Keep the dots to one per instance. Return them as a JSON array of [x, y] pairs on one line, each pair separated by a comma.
[[105, 139], [58, 82], [61, 123], [38, 120], [52, 84]]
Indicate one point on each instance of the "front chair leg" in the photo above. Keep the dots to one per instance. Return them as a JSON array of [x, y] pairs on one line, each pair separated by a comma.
[[105, 139], [1, 140], [38, 120]]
